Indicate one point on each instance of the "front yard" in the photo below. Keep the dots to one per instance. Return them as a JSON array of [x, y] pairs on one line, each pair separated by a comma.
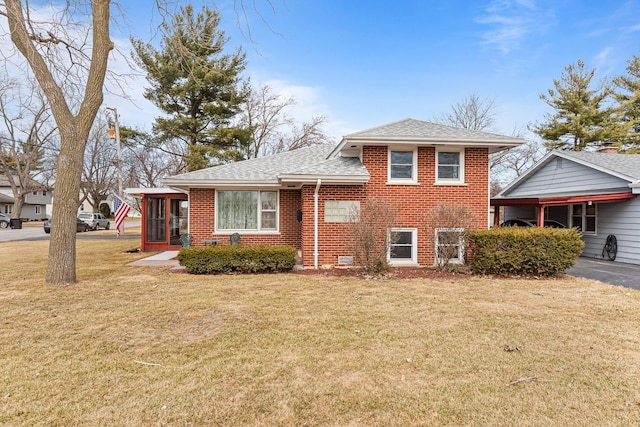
[[143, 346]]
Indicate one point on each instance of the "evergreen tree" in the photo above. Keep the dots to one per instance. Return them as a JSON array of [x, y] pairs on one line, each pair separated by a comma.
[[629, 101], [197, 86], [583, 118]]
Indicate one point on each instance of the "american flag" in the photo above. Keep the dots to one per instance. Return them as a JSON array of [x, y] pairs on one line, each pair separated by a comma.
[[121, 209]]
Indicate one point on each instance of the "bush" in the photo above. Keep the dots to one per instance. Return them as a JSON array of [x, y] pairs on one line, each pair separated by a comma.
[[367, 235], [241, 259], [522, 250]]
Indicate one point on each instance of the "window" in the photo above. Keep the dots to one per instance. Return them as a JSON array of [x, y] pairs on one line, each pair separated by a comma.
[[449, 244], [403, 166], [247, 210], [449, 166], [584, 217], [341, 210], [403, 246], [38, 210]]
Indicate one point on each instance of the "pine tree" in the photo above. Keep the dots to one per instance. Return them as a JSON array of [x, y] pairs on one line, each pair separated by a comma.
[[583, 117], [629, 101], [197, 86]]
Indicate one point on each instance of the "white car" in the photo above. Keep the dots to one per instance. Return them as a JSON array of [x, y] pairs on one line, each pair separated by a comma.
[[94, 220]]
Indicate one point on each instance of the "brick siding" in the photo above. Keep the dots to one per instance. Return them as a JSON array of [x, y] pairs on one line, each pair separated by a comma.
[[410, 202]]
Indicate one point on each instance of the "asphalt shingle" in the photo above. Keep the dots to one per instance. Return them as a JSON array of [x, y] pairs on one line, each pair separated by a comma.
[[624, 164], [419, 129]]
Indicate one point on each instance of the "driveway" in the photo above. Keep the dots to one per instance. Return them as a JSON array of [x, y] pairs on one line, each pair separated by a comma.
[[614, 273]]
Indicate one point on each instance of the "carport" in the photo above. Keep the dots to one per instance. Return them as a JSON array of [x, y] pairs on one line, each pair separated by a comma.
[[593, 191]]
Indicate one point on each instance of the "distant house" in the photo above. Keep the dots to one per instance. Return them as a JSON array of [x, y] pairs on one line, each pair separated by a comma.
[[35, 203], [301, 198], [596, 192]]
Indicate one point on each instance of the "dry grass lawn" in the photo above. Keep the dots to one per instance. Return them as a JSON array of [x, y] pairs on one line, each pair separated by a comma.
[[143, 346]]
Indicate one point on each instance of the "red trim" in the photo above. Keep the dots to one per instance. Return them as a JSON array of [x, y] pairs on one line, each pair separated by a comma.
[[595, 198], [535, 201], [530, 201], [143, 219]]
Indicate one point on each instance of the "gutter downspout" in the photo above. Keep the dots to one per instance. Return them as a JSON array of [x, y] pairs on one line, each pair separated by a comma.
[[315, 224]]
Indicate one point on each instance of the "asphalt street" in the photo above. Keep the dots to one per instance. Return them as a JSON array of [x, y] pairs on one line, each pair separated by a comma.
[[35, 231]]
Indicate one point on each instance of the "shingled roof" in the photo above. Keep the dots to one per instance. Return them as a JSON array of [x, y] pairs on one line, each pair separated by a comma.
[[624, 165], [339, 164], [308, 163], [412, 129]]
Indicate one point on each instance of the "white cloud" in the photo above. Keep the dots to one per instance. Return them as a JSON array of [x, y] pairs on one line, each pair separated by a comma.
[[309, 103], [511, 21]]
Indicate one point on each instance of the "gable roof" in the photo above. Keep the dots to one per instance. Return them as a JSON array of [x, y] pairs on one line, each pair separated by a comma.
[[4, 198], [623, 166], [302, 165], [337, 165], [412, 131]]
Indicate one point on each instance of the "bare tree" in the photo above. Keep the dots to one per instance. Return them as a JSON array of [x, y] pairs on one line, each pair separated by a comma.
[[99, 173], [445, 225], [68, 55], [368, 236], [472, 112], [509, 164], [27, 130], [273, 129]]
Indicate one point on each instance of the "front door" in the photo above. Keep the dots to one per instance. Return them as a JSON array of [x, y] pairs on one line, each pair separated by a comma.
[[178, 220]]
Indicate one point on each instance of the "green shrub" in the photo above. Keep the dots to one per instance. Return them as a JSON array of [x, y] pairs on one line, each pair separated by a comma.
[[522, 250], [241, 259]]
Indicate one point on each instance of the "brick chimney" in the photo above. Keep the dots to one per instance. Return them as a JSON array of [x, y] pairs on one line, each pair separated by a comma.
[[609, 149]]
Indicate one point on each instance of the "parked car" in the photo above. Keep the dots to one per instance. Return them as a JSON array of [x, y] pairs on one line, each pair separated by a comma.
[[4, 221], [531, 223], [81, 226], [94, 220]]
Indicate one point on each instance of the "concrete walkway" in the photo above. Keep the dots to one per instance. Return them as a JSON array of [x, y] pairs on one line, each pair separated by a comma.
[[162, 259]]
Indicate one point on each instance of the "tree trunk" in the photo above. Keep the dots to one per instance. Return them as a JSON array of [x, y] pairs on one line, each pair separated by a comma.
[[18, 203], [61, 269], [74, 129]]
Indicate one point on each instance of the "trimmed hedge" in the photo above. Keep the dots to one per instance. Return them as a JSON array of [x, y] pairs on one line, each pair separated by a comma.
[[522, 250], [240, 259]]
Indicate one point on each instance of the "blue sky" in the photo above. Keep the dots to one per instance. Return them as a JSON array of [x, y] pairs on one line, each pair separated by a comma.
[[368, 63]]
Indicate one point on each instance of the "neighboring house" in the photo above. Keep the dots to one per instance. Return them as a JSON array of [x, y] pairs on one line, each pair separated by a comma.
[[302, 197], [596, 192], [35, 203]]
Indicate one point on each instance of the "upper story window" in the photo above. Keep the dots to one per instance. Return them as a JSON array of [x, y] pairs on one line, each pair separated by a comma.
[[449, 166], [403, 166]]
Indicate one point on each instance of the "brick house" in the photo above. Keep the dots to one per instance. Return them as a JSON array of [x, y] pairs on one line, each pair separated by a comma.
[[301, 198]]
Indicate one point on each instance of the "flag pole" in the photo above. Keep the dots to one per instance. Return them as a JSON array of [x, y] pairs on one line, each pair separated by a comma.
[[117, 137]]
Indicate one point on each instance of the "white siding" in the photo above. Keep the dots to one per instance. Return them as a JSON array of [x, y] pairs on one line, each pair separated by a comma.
[[622, 220]]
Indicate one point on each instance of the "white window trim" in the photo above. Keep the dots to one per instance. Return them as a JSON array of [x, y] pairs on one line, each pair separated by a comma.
[[414, 171], [450, 181], [414, 248], [460, 259], [253, 230]]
